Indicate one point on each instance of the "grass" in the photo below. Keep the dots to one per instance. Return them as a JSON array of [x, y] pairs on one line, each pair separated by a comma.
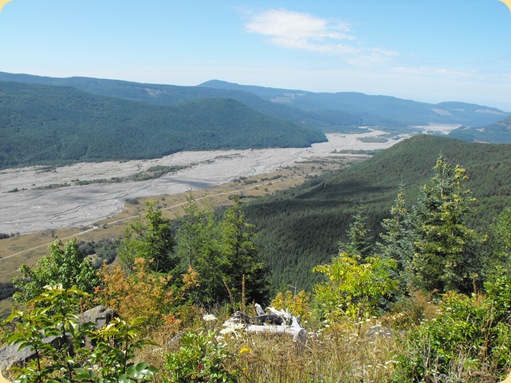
[[339, 354], [344, 352]]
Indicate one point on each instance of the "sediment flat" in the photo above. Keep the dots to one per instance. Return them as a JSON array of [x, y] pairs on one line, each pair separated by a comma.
[[39, 198]]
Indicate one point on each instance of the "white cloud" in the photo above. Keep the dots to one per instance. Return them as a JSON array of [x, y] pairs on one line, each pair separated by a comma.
[[297, 30]]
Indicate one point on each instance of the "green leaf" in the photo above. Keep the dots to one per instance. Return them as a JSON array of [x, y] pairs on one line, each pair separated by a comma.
[[82, 374], [140, 371], [124, 379]]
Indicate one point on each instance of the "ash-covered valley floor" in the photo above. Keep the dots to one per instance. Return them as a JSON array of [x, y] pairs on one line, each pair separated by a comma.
[[38, 198]]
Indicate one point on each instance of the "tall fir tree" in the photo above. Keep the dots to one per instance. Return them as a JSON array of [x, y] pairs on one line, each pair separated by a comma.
[[445, 257], [358, 236], [196, 231], [498, 251], [244, 263], [198, 246], [397, 240], [151, 239]]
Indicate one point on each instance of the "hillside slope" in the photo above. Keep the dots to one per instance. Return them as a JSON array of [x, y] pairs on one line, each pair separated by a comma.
[[160, 94], [47, 125], [498, 132], [301, 227], [342, 111], [374, 110]]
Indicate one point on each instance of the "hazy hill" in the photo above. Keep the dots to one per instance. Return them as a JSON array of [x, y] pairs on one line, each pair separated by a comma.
[[50, 124], [497, 132], [343, 111], [301, 227], [374, 110], [159, 94]]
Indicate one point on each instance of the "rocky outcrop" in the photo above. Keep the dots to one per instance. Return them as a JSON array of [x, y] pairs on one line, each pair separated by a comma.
[[12, 355], [99, 315]]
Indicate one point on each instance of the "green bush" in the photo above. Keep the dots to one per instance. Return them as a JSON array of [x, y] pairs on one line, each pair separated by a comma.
[[200, 359], [55, 314], [470, 336]]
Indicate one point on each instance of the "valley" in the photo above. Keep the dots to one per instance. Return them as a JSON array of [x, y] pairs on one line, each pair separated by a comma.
[[42, 198], [82, 201]]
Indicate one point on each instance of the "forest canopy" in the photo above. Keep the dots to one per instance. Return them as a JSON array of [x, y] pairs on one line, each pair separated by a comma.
[[57, 125]]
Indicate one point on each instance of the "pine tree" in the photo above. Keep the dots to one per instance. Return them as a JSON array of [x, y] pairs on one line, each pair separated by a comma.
[[500, 236], [445, 257], [498, 252], [196, 232], [358, 237], [198, 245], [243, 260], [398, 239], [152, 239]]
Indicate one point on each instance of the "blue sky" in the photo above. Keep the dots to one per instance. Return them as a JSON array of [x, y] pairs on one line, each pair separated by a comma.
[[426, 50]]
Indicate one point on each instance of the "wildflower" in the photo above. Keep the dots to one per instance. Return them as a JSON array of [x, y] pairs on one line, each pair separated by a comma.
[[245, 349]]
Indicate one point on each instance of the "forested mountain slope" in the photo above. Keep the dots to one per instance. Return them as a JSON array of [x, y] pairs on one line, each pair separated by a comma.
[[42, 124], [374, 110], [500, 132], [301, 227], [342, 111], [160, 94]]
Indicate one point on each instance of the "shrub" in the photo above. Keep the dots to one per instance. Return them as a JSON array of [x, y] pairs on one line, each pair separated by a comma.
[[54, 313], [200, 359], [298, 304], [354, 288], [470, 335]]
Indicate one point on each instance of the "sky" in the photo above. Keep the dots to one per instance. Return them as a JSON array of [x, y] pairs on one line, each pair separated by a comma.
[[425, 50]]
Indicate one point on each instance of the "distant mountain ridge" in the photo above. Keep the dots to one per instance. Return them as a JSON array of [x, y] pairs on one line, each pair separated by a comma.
[[61, 120], [374, 110], [42, 124], [159, 94], [342, 111], [498, 132]]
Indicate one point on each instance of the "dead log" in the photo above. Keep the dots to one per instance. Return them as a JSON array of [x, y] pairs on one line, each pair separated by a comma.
[[274, 322]]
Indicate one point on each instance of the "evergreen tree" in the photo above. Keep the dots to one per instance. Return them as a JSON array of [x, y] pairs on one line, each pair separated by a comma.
[[358, 237], [65, 265], [243, 260], [152, 239], [498, 251], [445, 257], [398, 239], [500, 235], [198, 245], [196, 232]]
